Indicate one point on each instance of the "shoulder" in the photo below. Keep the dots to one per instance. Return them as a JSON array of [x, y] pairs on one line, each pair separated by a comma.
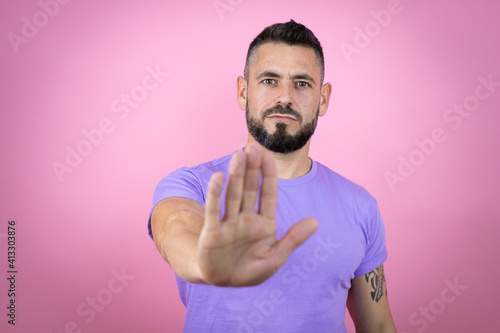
[[342, 184], [190, 182], [218, 164], [200, 173], [347, 192], [202, 170]]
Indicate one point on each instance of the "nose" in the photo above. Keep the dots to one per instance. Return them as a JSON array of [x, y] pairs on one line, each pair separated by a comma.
[[285, 94]]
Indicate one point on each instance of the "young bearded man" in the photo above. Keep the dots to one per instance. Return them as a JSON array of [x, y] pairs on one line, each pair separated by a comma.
[[229, 227]]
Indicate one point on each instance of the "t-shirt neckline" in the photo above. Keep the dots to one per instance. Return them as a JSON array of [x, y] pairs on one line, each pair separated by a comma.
[[299, 180], [302, 179]]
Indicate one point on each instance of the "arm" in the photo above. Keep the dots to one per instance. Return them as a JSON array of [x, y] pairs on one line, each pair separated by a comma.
[[176, 224], [368, 304], [240, 249]]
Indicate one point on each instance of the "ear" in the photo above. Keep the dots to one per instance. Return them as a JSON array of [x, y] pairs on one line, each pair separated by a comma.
[[326, 91], [241, 89]]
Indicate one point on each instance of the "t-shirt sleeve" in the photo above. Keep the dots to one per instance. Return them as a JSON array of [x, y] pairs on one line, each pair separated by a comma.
[[183, 183], [376, 251]]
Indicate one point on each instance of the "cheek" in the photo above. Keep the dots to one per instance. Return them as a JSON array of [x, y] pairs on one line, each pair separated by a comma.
[[308, 104], [307, 98], [257, 105], [260, 100]]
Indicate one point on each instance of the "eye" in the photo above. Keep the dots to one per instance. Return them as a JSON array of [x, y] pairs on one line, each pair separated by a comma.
[[269, 81], [303, 84]]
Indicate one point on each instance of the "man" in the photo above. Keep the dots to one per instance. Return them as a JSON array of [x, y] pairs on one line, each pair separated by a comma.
[[227, 227]]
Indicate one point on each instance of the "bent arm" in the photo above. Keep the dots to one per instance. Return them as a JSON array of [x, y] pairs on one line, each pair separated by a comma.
[[176, 224], [368, 304]]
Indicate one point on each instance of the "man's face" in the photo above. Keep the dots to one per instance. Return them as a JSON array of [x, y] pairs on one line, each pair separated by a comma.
[[283, 96]]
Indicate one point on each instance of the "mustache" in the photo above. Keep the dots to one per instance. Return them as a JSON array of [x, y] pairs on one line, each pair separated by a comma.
[[280, 109]]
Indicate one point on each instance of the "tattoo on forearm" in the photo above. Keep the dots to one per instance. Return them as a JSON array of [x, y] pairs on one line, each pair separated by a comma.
[[377, 280]]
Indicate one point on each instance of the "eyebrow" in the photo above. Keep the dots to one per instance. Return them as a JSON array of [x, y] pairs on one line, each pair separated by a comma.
[[299, 76]]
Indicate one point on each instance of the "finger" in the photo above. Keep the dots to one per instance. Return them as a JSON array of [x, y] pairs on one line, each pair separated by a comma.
[[212, 206], [251, 187], [234, 194], [295, 236], [269, 190]]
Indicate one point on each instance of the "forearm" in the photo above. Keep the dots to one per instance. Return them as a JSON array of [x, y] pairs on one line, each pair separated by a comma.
[[176, 237], [179, 248]]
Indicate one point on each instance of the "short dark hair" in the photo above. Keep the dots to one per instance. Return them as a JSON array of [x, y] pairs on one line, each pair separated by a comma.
[[291, 33]]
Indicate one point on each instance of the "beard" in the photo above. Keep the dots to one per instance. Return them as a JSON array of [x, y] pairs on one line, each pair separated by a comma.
[[281, 141]]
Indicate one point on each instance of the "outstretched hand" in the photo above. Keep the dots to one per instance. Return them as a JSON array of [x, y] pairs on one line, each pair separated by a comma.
[[242, 249]]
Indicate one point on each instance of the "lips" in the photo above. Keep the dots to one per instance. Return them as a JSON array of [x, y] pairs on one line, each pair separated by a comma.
[[282, 113], [282, 117]]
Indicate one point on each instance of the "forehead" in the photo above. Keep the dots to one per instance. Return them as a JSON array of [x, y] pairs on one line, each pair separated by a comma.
[[285, 58]]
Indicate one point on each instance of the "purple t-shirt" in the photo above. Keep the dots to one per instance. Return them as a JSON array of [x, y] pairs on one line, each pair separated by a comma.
[[309, 293]]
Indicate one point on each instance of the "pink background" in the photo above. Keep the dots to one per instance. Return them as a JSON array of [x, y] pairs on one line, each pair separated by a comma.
[[75, 233]]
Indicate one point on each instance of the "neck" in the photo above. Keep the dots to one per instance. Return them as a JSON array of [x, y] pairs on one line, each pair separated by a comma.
[[290, 165]]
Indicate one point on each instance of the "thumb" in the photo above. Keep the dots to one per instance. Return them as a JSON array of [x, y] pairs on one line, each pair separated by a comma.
[[295, 236]]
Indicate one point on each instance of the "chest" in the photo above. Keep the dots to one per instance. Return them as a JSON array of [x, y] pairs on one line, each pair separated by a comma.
[[338, 246]]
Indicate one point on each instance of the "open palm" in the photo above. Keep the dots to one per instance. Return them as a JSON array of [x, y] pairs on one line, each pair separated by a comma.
[[242, 249]]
